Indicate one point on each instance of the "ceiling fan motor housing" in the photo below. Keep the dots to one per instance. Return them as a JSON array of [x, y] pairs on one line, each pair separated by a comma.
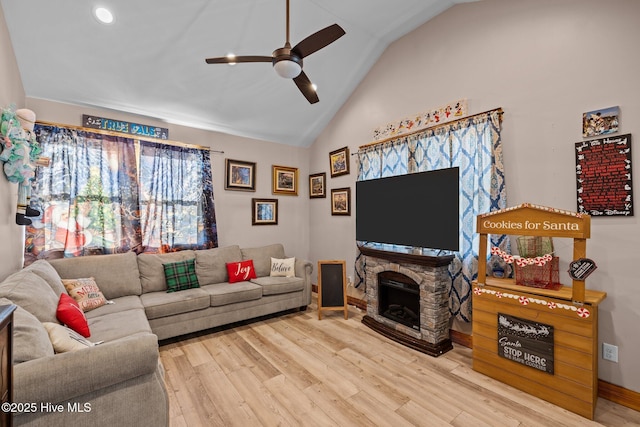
[[286, 63]]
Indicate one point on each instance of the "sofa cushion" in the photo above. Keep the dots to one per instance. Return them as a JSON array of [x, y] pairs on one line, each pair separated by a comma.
[[241, 271], [30, 338], [210, 263], [261, 257], [116, 274], [162, 304], [113, 326], [32, 293], [70, 313], [86, 292], [115, 305], [226, 293], [279, 285], [45, 270], [181, 275], [65, 339], [283, 267], [152, 272]]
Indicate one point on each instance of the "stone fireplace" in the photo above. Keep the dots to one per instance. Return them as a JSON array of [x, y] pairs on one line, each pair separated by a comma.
[[408, 298]]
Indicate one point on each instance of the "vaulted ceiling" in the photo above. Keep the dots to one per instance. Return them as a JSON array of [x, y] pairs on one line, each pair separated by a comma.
[[150, 60]]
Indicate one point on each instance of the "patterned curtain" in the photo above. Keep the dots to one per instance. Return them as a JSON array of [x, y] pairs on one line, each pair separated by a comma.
[[176, 198], [87, 197], [95, 199], [474, 145]]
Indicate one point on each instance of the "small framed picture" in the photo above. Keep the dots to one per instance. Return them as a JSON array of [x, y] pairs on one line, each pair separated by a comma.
[[317, 185], [341, 201], [285, 180], [339, 162], [264, 211], [240, 175]]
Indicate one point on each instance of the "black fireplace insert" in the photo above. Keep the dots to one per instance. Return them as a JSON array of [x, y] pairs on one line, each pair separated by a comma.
[[399, 299]]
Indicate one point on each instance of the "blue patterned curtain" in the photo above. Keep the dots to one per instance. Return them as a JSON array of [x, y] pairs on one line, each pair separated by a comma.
[[176, 198], [474, 145]]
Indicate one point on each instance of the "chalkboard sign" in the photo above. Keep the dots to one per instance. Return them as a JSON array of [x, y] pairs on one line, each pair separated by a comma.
[[332, 287]]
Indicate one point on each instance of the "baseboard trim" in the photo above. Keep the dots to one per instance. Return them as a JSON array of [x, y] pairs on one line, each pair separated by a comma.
[[461, 338], [619, 395], [606, 390]]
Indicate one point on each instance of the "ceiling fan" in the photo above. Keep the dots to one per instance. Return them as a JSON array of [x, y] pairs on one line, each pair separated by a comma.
[[287, 60]]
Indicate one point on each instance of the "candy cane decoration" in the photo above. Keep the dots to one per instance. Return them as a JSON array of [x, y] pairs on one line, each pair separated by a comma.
[[521, 261]]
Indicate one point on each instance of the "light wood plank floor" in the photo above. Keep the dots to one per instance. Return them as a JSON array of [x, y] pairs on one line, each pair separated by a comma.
[[295, 370]]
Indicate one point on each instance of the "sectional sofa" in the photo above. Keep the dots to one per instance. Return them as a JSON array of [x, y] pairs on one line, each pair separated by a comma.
[[120, 380]]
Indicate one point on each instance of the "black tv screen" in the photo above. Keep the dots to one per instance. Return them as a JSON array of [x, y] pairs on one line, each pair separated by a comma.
[[419, 209]]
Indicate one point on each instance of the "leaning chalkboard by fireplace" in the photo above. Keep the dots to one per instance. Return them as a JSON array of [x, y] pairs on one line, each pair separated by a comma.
[[332, 287]]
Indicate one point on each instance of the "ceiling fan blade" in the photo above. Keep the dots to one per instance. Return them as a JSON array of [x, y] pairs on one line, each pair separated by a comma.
[[236, 59], [306, 87], [318, 40]]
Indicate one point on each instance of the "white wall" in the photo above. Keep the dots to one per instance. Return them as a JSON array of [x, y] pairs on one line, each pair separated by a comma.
[[11, 92], [233, 208], [545, 62]]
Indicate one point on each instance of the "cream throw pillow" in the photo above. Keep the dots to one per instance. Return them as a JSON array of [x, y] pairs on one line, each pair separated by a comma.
[[283, 267], [65, 339]]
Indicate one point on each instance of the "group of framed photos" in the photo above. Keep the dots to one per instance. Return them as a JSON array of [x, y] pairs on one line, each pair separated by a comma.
[[340, 197], [241, 176]]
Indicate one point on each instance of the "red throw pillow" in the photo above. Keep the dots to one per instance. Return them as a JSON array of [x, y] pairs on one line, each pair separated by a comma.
[[70, 313], [241, 271]]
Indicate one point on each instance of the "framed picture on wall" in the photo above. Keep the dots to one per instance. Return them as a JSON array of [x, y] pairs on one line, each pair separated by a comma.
[[317, 185], [341, 201], [264, 211], [285, 180], [240, 175], [339, 162]]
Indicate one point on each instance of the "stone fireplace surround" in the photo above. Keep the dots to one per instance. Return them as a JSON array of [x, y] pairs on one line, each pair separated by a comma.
[[432, 276]]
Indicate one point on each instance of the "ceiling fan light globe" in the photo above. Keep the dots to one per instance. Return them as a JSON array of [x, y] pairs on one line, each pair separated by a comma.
[[287, 69]]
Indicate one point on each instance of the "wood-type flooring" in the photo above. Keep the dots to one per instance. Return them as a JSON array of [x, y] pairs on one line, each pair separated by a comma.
[[296, 370]]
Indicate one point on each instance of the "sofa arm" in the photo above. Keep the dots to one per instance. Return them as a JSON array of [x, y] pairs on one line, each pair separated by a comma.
[[66, 376], [304, 269]]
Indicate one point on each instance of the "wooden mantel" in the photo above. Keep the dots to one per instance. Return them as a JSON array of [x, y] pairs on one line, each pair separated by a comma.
[[427, 257]]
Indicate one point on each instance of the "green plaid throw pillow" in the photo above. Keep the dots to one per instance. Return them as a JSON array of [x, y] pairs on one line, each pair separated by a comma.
[[181, 275]]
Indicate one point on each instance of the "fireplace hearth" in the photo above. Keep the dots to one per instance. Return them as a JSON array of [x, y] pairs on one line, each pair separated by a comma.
[[408, 298]]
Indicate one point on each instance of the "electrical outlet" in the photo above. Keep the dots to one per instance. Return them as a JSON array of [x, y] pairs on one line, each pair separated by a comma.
[[610, 352], [349, 281]]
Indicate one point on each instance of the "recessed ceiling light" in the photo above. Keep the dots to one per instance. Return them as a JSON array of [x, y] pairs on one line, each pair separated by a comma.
[[103, 15], [231, 57], [314, 86]]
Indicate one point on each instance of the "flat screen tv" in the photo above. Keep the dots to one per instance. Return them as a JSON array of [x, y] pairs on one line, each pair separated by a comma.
[[419, 209]]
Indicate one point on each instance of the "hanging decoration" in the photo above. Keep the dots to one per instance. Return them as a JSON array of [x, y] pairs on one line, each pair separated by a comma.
[[446, 113], [521, 261], [20, 155], [582, 312]]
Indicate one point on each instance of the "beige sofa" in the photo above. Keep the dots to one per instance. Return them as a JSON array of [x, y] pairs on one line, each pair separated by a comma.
[[120, 381]]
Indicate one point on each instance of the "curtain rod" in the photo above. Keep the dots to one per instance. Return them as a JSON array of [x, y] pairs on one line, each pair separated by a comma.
[[130, 136], [415, 132]]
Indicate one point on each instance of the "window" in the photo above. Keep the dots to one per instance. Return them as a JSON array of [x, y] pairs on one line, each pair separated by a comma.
[[100, 196]]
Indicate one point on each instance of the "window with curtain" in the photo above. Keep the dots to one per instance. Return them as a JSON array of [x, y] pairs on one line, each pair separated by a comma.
[[101, 195], [474, 145]]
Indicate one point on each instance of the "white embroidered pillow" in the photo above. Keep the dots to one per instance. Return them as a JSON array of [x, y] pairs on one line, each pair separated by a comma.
[[283, 267], [65, 339]]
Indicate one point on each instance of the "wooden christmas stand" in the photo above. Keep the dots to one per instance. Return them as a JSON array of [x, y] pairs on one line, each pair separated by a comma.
[[541, 341]]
